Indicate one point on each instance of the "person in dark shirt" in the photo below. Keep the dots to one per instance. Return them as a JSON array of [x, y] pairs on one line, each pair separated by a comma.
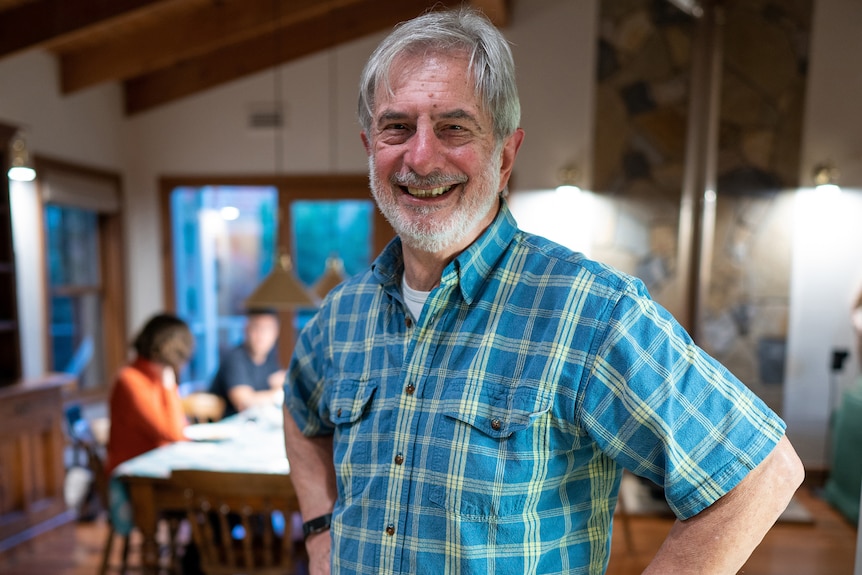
[[250, 373]]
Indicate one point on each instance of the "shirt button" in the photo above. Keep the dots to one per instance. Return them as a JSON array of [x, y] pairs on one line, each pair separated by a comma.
[[496, 424], [410, 389], [399, 459], [408, 321], [390, 529]]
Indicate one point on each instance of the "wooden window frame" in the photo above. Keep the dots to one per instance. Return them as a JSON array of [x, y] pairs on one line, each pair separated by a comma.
[[112, 287]]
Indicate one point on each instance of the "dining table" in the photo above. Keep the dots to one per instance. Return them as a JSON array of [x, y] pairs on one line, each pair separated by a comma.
[[249, 442]]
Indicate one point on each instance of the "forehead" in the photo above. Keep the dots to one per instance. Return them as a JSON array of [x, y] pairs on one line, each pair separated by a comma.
[[428, 78]]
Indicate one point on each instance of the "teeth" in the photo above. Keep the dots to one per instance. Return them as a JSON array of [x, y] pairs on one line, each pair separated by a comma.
[[432, 193]]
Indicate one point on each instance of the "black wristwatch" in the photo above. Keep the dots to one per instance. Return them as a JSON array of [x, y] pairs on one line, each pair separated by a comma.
[[316, 525]]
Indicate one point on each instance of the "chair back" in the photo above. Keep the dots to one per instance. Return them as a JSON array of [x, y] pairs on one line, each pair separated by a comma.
[[85, 443], [218, 503], [203, 407]]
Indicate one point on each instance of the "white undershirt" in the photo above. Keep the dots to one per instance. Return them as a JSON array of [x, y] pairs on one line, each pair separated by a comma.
[[414, 299]]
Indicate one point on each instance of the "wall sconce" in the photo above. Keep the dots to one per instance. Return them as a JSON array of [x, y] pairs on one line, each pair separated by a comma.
[[19, 168], [569, 179], [826, 177]]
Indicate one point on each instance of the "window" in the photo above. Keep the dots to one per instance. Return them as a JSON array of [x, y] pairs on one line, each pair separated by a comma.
[[224, 245], [323, 229], [226, 236], [74, 278], [86, 331]]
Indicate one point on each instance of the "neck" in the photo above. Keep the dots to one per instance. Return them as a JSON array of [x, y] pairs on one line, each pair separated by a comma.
[[422, 270], [256, 358]]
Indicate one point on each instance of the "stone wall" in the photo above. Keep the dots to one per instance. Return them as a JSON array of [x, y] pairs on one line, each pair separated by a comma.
[[642, 102]]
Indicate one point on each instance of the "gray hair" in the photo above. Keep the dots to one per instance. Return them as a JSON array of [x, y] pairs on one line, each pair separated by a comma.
[[466, 31]]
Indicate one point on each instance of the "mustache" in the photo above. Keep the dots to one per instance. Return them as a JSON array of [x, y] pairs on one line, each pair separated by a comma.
[[433, 180]]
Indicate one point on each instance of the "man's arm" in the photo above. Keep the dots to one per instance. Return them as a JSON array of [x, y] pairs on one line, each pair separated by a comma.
[[719, 539], [313, 475], [245, 396]]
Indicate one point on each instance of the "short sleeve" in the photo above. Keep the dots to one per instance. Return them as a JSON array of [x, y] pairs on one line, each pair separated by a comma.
[[664, 409], [305, 383]]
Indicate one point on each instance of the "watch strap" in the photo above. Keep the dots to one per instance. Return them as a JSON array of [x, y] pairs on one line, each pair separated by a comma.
[[316, 525]]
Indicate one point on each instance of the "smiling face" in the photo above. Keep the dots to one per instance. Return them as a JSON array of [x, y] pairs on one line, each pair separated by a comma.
[[436, 169]]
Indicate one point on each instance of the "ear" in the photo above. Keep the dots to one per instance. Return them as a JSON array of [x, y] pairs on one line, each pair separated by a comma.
[[510, 151], [365, 143]]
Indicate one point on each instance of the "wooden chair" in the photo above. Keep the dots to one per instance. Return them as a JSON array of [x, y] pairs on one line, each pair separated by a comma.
[[203, 407], [219, 502], [89, 442], [100, 481]]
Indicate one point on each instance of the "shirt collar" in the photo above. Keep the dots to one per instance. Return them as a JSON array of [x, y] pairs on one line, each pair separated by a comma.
[[469, 269]]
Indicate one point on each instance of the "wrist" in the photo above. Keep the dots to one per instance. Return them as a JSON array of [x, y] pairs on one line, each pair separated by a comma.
[[316, 525]]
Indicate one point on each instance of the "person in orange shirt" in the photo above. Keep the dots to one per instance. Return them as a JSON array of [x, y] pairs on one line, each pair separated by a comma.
[[145, 406]]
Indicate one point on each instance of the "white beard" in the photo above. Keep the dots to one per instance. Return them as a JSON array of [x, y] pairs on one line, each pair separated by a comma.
[[418, 229]]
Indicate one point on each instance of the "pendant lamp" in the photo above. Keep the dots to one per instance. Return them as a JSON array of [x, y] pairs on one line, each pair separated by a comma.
[[281, 290], [332, 276]]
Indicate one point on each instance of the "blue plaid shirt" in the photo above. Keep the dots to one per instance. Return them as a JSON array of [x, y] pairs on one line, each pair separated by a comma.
[[490, 435]]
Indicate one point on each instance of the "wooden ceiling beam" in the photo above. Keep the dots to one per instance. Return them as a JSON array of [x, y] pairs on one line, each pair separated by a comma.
[[192, 32], [342, 23], [33, 23]]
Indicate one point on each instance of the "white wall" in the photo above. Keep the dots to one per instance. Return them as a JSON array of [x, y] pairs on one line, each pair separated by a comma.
[[827, 252], [30, 279], [84, 129], [554, 45]]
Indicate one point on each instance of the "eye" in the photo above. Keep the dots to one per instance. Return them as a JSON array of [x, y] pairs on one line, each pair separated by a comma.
[[395, 133]]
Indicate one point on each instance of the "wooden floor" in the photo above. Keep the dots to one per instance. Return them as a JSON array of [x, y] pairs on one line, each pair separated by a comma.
[[826, 547]]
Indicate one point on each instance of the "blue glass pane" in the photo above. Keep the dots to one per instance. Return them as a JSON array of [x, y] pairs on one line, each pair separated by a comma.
[[62, 332], [74, 285], [73, 246], [75, 336], [331, 228], [225, 245]]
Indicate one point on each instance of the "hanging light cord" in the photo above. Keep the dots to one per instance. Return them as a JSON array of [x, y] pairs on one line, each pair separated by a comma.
[[276, 90], [333, 98]]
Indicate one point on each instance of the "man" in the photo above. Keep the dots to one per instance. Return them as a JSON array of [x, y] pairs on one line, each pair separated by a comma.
[[249, 374], [468, 404]]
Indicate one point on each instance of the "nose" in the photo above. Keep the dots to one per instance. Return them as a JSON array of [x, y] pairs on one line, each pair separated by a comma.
[[424, 151]]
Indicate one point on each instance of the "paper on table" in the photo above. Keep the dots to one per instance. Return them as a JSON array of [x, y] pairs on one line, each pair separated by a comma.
[[211, 431]]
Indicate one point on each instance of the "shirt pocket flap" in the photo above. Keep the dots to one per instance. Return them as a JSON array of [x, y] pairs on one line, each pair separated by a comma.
[[349, 399], [500, 410]]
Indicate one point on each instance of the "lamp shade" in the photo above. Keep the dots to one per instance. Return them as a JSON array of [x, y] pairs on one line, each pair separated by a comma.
[[281, 290], [332, 276]]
